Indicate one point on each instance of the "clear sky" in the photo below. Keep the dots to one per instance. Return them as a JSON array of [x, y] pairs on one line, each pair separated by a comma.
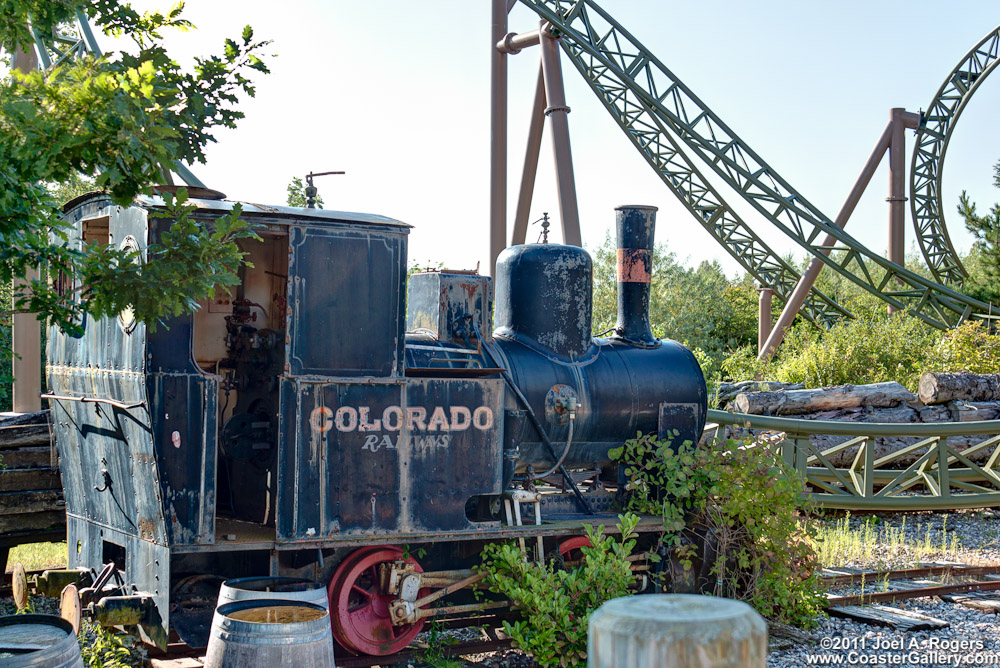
[[396, 93]]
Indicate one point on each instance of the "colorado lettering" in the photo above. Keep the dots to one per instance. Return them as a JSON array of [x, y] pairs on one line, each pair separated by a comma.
[[414, 418]]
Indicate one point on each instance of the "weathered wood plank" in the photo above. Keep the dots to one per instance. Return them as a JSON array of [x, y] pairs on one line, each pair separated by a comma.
[[13, 420], [981, 601], [19, 436], [13, 503], [32, 521], [881, 615], [20, 480], [27, 458]]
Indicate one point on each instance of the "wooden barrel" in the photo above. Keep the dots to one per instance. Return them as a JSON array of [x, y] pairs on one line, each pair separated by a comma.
[[42, 641], [676, 631], [271, 633], [274, 589]]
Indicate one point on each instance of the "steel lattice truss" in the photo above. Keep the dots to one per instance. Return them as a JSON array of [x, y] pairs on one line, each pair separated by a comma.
[[932, 140], [613, 61], [928, 473], [67, 43], [61, 45]]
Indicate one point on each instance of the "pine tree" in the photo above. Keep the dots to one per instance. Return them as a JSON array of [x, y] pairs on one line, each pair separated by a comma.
[[985, 283]]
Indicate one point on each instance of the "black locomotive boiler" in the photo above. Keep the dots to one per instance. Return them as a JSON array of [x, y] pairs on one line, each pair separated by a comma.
[[324, 420]]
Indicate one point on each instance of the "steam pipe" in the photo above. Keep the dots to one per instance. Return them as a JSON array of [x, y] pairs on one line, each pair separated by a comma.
[[569, 442]]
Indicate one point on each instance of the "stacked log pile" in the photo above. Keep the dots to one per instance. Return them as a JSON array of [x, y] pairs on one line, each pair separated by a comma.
[[31, 498], [942, 397]]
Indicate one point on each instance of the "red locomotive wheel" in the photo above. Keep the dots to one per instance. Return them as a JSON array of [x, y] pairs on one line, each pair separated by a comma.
[[570, 550], [346, 564], [359, 609]]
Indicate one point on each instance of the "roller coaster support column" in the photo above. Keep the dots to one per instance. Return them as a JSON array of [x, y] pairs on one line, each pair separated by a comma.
[[802, 288], [557, 111], [498, 135], [26, 337], [897, 190], [530, 163], [764, 316]]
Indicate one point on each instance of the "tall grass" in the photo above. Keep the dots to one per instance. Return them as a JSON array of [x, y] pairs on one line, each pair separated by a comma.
[[37, 556], [884, 544]]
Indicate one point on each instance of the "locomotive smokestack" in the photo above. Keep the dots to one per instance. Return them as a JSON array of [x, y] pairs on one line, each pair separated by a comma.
[[635, 226]]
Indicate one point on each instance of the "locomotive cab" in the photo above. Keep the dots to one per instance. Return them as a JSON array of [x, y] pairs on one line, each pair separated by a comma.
[[293, 418]]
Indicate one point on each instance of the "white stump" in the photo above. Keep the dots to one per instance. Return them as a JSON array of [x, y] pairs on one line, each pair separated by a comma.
[[676, 631]]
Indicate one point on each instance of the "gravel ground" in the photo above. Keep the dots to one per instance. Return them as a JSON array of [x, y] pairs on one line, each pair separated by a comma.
[[861, 644], [972, 637]]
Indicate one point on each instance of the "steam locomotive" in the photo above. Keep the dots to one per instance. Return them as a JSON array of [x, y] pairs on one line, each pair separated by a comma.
[[329, 416]]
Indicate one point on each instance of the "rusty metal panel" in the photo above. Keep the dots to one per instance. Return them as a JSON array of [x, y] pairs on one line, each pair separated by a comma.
[[346, 301], [147, 564], [183, 405], [450, 305], [184, 409], [106, 452], [447, 466], [361, 459]]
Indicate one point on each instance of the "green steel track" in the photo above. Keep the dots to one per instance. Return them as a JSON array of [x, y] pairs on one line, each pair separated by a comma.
[[659, 113], [933, 135], [927, 474]]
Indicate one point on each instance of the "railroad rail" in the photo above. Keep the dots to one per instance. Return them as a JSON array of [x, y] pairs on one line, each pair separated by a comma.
[[928, 473]]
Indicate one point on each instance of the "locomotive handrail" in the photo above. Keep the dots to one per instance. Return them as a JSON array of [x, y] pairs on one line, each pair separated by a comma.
[[95, 400], [929, 473]]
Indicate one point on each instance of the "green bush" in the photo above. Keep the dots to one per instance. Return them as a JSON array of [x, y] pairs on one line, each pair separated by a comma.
[[871, 349], [750, 501], [557, 603], [968, 347], [107, 648]]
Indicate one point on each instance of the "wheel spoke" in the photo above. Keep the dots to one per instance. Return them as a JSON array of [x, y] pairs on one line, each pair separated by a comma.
[[364, 592], [360, 610]]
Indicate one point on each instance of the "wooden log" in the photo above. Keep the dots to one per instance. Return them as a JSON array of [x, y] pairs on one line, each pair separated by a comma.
[[725, 392], [21, 480], [797, 402], [938, 388], [934, 414], [973, 411], [38, 417], [796, 636], [676, 630]]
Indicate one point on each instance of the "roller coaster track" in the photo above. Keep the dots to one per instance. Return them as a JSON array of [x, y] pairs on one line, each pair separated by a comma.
[[653, 107], [932, 139]]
